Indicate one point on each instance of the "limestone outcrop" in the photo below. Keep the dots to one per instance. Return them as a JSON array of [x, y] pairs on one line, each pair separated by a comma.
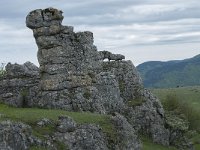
[[74, 76], [71, 68], [17, 83]]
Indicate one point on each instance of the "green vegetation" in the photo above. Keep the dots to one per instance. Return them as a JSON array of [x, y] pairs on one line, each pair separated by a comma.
[[121, 86], [2, 69], [158, 74], [136, 102], [23, 96], [149, 145], [87, 95], [185, 94], [182, 109], [61, 146], [32, 115]]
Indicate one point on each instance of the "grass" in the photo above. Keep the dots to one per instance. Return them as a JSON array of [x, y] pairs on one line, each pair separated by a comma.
[[32, 115], [136, 102], [149, 145], [186, 94], [2, 72], [184, 100]]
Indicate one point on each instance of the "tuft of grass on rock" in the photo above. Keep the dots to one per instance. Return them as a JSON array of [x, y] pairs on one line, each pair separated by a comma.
[[87, 95], [136, 102], [149, 145], [122, 85]]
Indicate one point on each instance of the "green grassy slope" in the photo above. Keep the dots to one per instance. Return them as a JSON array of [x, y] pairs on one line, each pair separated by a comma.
[[32, 115], [190, 94], [191, 97], [158, 74]]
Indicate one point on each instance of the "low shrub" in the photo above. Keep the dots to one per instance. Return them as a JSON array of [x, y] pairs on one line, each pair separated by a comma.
[[173, 103], [2, 70]]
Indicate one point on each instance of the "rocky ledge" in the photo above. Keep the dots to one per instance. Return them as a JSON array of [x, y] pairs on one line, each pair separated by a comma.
[[75, 76]]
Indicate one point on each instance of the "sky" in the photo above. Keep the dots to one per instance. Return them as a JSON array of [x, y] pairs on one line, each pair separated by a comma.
[[142, 30]]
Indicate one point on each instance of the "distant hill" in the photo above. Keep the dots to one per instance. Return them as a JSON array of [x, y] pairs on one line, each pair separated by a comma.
[[174, 73]]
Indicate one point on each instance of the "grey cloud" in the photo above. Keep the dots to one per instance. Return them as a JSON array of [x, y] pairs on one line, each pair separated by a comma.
[[117, 24]]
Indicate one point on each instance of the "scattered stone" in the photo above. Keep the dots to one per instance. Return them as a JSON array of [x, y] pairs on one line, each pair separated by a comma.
[[15, 136], [85, 137], [44, 122], [66, 124]]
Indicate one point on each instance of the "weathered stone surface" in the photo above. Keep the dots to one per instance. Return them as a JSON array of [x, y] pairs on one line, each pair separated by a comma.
[[85, 137], [44, 122], [108, 55], [127, 138], [28, 69], [18, 136], [44, 18], [70, 67], [66, 124], [16, 84], [129, 81], [149, 118], [15, 136]]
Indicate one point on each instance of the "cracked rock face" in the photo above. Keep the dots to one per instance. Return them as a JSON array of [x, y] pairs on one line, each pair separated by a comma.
[[20, 84], [15, 136], [71, 67]]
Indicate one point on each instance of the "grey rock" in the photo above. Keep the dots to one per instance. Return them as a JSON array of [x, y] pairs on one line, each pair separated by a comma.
[[108, 55], [15, 86], [127, 138], [66, 124], [44, 122], [28, 69], [15, 136], [148, 118], [39, 18], [129, 81], [85, 137]]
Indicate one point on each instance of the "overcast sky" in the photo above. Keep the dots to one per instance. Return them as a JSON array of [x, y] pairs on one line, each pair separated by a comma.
[[142, 30]]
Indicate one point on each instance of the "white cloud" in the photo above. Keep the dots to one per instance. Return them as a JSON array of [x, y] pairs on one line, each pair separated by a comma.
[[152, 9]]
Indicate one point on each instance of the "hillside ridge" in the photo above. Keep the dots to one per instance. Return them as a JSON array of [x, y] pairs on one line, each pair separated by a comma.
[[159, 74]]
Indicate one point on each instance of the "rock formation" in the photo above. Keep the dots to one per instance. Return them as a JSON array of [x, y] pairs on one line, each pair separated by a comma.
[[71, 69], [74, 76], [16, 85]]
